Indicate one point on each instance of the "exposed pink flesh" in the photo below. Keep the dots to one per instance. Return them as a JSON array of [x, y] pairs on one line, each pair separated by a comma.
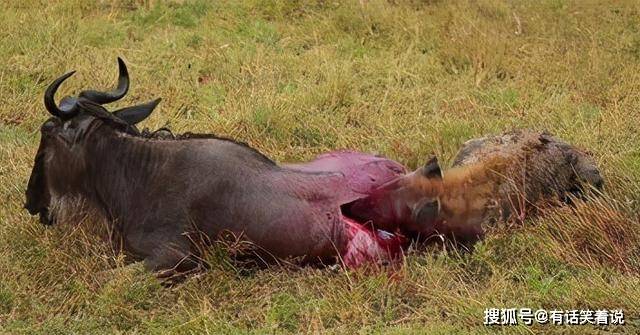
[[362, 174], [368, 245]]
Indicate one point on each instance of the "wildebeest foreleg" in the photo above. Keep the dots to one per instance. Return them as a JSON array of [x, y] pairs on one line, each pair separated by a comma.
[[164, 252], [171, 259]]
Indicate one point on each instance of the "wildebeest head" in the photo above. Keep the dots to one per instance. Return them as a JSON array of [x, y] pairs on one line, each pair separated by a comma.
[[60, 160]]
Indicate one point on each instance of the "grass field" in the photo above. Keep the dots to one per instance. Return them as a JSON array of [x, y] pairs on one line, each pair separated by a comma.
[[296, 78]]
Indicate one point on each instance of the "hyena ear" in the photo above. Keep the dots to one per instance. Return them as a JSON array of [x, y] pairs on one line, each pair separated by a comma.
[[426, 211], [431, 169]]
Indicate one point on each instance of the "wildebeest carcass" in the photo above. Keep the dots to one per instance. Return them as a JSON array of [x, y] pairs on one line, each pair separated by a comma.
[[494, 179], [162, 192]]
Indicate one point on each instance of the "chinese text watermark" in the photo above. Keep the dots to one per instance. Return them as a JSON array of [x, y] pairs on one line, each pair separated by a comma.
[[527, 316]]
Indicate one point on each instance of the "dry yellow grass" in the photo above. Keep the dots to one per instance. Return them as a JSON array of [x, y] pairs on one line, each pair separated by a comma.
[[295, 78]]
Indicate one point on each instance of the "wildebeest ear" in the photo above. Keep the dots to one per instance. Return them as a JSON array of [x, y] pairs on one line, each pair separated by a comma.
[[135, 114], [426, 211], [431, 169]]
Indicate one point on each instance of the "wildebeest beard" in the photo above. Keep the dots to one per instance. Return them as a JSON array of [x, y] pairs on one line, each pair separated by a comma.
[[38, 196]]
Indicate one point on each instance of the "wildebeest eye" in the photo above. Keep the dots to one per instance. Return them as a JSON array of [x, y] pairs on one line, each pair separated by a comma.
[[68, 126], [69, 132]]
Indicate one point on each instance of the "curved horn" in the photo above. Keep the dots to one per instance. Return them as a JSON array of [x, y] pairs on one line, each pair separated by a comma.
[[106, 97], [135, 114], [49, 102]]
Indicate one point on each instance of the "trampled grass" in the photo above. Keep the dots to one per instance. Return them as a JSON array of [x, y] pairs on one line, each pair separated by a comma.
[[296, 78]]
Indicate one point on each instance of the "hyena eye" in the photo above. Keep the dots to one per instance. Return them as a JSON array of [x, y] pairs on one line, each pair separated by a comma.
[[427, 211]]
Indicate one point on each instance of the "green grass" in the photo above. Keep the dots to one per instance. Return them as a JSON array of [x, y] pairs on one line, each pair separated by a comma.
[[296, 78]]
